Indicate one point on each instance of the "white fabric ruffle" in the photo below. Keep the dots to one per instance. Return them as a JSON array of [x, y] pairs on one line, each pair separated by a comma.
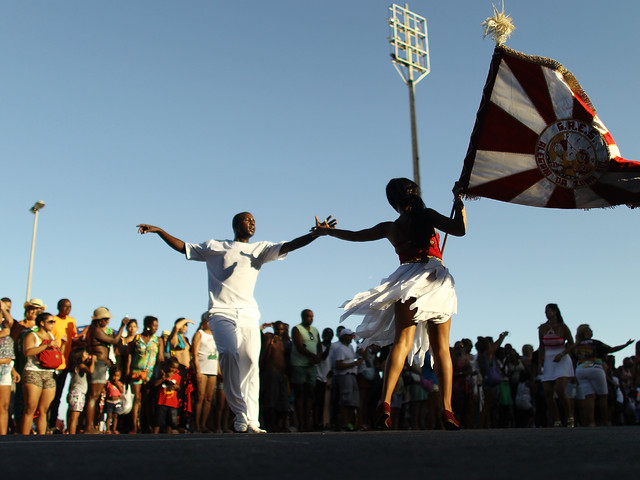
[[429, 283]]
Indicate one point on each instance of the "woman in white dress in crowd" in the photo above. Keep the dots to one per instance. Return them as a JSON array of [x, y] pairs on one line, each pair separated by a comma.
[[555, 365], [205, 364]]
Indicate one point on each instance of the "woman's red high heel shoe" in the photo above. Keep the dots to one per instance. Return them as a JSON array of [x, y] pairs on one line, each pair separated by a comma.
[[383, 416], [449, 421]]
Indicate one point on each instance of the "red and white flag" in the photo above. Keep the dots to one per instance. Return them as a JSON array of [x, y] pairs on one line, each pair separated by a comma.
[[537, 141]]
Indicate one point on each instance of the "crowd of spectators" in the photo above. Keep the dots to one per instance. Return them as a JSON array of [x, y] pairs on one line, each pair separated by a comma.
[[134, 380]]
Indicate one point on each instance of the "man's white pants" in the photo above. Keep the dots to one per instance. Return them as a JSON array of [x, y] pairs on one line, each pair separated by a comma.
[[237, 336]]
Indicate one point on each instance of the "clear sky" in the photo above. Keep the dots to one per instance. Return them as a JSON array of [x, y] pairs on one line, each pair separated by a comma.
[[183, 113]]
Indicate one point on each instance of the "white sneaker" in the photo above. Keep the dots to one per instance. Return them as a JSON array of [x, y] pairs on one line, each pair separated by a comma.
[[255, 428], [240, 424]]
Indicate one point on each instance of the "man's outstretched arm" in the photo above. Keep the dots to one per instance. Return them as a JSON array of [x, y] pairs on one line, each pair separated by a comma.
[[173, 242], [305, 240], [297, 243]]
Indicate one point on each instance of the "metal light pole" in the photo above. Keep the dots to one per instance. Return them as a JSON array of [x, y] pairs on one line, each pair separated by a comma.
[[410, 52], [39, 205]]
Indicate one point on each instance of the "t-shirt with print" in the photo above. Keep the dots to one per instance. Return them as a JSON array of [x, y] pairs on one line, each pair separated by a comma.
[[167, 396]]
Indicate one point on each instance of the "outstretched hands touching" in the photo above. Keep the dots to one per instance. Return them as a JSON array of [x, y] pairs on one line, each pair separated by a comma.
[[322, 228]]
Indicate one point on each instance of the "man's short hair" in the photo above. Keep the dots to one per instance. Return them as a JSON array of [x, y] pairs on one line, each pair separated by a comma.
[[62, 300], [236, 220]]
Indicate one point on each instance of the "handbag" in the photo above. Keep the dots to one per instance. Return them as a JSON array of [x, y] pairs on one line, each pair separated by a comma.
[[126, 403], [50, 357]]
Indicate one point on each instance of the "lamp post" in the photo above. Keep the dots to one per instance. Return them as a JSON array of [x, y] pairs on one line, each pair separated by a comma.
[[39, 205], [410, 52]]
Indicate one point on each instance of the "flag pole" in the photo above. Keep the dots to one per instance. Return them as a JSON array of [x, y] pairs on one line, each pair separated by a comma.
[[500, 27]]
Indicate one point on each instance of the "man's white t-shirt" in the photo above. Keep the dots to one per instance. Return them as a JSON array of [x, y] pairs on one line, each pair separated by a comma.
[[233, 269], [347, 355]]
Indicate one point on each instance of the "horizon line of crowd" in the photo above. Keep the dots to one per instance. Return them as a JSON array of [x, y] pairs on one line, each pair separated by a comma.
[[132, 380]]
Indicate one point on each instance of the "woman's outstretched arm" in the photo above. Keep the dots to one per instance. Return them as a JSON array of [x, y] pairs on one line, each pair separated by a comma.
[[380, 231]]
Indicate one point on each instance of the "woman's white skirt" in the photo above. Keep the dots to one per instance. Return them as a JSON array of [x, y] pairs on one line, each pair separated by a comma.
[[432, 287]]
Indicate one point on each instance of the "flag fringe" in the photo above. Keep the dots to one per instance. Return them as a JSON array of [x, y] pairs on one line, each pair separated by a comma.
[[555, 65]]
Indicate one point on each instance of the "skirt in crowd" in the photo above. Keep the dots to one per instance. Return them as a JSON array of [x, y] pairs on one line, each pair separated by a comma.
[[552, 370], [432, 287]]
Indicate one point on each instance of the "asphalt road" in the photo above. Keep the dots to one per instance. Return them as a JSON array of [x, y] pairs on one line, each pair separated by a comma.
[[602, 453]]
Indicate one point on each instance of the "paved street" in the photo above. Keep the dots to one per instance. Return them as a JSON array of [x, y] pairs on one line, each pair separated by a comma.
[[474, 454]]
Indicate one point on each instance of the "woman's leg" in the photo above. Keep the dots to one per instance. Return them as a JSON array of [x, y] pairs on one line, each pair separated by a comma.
[[603, 416], [5, 397], [405, 329], [561, 391], [200, 399], [31, 397], [552, 408], [210, 388], [46, 397], [136, 388], [439, 340], [589, 410], [95, 390], [73, 422]]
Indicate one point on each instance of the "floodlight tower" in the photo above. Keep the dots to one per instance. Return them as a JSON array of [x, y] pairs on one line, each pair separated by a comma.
[[410, 56], [39, 205]]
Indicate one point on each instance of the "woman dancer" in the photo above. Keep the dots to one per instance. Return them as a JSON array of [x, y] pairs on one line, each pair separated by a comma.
[[554, 364], [418, 299]]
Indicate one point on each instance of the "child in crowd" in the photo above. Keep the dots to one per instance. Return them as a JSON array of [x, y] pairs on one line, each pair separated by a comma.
[[81, 364], [524, 401], [168, 403], [113, 402]]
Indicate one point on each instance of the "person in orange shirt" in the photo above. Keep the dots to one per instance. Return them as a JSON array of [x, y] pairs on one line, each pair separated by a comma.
[[65, 326]]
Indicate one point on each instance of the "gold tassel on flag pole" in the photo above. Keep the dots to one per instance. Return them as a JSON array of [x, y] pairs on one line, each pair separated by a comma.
[[499, 26]]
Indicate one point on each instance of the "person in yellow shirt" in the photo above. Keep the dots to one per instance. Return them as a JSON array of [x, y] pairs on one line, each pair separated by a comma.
[[65, 327]]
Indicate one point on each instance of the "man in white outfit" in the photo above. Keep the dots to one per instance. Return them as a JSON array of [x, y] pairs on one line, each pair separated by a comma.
[[233, 268]]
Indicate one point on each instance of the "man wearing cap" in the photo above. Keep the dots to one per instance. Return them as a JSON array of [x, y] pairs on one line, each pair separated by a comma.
[[233, 268], [346, 371], [65, 326]]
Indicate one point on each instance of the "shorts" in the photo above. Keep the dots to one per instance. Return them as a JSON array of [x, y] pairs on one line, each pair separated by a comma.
[[574, 391], [166, 416], [5, 374], [592, 380], [110, 407], [76, 400], [40, 378], [349, 391], [100, 372], [300, 375]]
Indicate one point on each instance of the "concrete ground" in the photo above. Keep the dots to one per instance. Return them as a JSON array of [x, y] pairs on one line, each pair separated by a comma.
[[561, 453]]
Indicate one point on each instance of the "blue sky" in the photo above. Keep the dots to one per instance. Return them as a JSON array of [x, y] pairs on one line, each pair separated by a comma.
[[181, 114]]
